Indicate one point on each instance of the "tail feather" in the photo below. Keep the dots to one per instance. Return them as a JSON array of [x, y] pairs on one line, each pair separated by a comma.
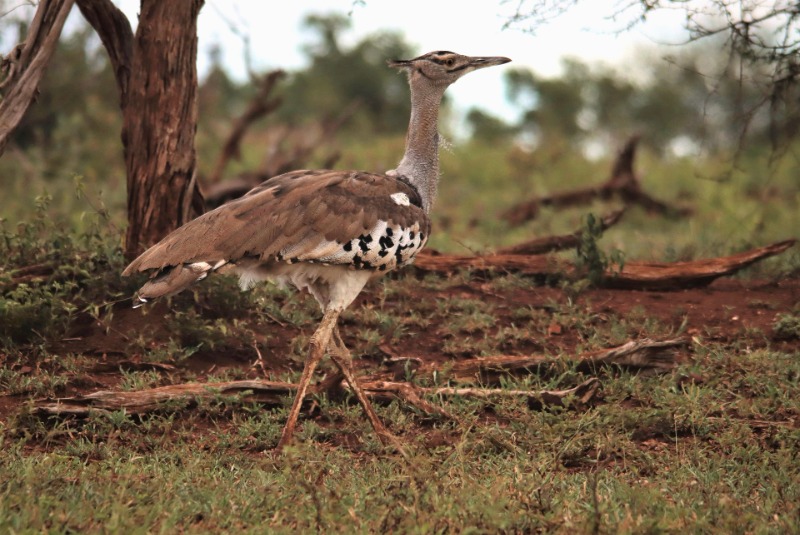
[[172, 280]]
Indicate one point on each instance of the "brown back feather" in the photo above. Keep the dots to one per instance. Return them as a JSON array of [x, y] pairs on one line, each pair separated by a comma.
[[296, 207]]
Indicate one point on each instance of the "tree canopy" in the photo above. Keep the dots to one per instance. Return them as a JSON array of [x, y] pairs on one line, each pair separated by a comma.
[[762, 40]]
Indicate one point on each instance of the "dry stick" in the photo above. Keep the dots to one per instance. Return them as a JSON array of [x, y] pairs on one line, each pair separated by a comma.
[[623, 183], [21, 72], [144, 401], [584, 391], [633, 276], [551, 244], [273, 392], [642, 354]]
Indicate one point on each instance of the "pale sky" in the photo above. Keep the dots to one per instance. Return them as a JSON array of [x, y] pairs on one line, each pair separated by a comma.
[[276, 34], [474, 28]]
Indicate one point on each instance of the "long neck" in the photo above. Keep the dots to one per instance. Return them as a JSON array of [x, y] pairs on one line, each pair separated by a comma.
[[420, 163]]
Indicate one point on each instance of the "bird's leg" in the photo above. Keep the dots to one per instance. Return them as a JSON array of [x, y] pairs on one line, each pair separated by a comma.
[[344, 360], [320, 341]]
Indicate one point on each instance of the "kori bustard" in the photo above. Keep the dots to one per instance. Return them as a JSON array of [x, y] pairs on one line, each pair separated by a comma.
[[328, 232]]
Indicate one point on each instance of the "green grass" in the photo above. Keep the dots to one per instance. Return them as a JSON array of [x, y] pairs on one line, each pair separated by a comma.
[[718, 456]]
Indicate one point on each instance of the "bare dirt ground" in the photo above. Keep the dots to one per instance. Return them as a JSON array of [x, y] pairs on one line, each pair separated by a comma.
[[739, 313]]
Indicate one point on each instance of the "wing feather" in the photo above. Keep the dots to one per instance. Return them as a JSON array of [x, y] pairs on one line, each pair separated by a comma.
[[301, 211]]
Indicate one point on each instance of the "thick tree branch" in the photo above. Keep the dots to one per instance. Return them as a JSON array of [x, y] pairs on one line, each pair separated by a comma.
[[21, 72], [116, 35]]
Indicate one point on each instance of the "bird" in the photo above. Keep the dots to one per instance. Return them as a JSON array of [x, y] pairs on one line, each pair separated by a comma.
[[328, 232]]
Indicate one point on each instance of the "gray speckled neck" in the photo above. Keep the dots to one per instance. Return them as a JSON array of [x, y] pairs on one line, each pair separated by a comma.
[[420, 163]]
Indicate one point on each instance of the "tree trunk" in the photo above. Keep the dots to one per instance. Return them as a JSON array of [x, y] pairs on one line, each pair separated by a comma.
[[156, 76], [160, 122]]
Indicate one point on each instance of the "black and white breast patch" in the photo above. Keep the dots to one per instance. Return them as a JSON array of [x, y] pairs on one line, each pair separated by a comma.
[[385, 247]]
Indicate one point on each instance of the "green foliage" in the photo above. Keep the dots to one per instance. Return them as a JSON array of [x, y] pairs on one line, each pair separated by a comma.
[[590, 258], [48, 274], [337, 78], [787, 326]]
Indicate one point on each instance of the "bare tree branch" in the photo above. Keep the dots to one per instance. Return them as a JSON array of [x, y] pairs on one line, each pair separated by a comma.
[[550, 244], [623, 183], [116, 35], [21, 71], [260, 105]]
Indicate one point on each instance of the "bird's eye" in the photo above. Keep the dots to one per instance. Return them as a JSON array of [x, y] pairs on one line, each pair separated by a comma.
[[449, 62]]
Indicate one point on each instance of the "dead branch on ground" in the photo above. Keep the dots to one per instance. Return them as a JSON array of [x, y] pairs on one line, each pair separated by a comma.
[[643, 354], [623, 183], [551, 244], [633, 276]]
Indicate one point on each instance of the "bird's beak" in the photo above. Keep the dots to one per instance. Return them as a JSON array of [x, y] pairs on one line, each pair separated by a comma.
[[479, 62], [398, 63]]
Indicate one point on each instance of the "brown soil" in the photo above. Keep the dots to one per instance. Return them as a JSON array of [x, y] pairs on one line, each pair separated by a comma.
[[739, 313]]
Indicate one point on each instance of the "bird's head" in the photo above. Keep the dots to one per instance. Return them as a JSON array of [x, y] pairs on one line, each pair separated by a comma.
[[442, 68]]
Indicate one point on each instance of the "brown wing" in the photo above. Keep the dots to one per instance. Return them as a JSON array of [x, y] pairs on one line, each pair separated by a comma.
[[297, 211]]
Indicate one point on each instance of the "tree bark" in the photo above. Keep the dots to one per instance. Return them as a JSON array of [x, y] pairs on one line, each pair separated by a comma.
[[160, 122], [157, 79]]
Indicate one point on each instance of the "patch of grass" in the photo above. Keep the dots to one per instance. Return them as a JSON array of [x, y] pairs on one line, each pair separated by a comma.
[[139, 380], [787, 326], [30, 382]]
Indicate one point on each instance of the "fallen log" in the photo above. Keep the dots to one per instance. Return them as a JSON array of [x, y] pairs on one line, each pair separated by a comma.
[[634, 275], [689, 274], [641, 354], [550, 244]]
